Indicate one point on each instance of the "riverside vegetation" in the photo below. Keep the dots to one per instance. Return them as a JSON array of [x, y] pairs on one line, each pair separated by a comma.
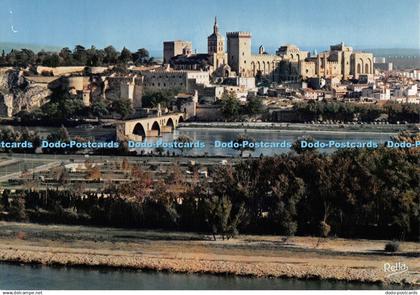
[[352, 193], [347, 112]]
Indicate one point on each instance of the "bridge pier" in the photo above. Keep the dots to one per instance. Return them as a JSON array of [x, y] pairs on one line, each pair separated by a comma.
[[135, 137], [152, 133], [166, 129]]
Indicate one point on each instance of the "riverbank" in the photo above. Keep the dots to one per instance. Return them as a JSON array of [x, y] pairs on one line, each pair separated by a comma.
[[316, 127], [256, 256]]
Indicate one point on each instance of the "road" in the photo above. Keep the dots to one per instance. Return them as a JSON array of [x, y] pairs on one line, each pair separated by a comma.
[[12, 165], [138, 159]]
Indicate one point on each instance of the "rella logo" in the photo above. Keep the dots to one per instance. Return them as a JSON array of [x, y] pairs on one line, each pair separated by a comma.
[[395, 268]]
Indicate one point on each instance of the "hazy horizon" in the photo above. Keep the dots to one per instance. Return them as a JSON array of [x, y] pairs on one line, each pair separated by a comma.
[[158, 53]]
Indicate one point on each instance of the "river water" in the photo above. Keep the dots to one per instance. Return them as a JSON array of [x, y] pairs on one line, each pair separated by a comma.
[[208, 136], [37, 277]]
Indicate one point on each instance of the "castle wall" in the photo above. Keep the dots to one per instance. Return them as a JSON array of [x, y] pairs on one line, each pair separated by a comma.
[[343, 64], [77, 82], [113, 89], [219, 59], [307, 69], [244, 63], [361, 63], [174, 79], [165, 80], [239, 52], [174, 48], [59, 71], [266, 65]]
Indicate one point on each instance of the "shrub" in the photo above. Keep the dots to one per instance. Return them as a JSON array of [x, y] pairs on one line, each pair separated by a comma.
[[324, 229], [393, 246], [18, 209]]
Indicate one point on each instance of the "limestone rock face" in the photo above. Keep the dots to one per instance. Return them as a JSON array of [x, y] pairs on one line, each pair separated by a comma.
[[18, 94], [6, 105]]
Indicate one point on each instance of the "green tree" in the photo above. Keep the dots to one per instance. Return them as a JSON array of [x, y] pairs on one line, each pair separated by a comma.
[[5, 199], [254, 106], [22, 57], [218, 214], [72, 107], [244, 143], [52, 60], [141, 56], [66, 57], [230, 105], [18, 209], [111, 55], [40, 56], [183, 142], [226, 207], [3, 58], [151, 99], [297, 145], [60, 135], [123, 107], [287, 192], [80, 55], [94, 57], [99, 109], [125, 56]]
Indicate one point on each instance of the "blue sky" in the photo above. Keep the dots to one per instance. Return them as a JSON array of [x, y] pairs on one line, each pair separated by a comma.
[[140, 23]]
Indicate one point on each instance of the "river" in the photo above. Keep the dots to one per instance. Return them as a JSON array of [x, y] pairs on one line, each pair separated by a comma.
[[209, 135], [37, 277]]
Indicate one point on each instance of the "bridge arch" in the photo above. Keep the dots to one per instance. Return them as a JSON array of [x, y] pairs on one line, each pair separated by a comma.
[[360, 66], [149, 126], [170, 123], [139, 130], [369, 61], [156, 127]]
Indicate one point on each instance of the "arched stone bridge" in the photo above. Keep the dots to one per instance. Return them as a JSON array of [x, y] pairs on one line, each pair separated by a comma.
[[138, 129]]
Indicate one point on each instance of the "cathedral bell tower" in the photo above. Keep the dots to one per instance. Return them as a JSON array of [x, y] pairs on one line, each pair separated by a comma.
[[215, 42]]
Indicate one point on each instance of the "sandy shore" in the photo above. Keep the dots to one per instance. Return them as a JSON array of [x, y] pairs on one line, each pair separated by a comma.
[[272, 256]]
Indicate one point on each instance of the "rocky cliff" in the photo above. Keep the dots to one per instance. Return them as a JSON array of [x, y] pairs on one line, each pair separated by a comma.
[[18, 93]]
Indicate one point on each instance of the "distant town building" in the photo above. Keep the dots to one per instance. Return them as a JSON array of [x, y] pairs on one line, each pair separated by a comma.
[[216, 48], [288, 64], [174, 48], [183, 81], [340, 61], [381, 64], [215, 60]]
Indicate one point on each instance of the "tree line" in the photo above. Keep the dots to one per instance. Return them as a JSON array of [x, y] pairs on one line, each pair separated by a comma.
[[347, 112], [352, 193], [79, 56], [232, 109]]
